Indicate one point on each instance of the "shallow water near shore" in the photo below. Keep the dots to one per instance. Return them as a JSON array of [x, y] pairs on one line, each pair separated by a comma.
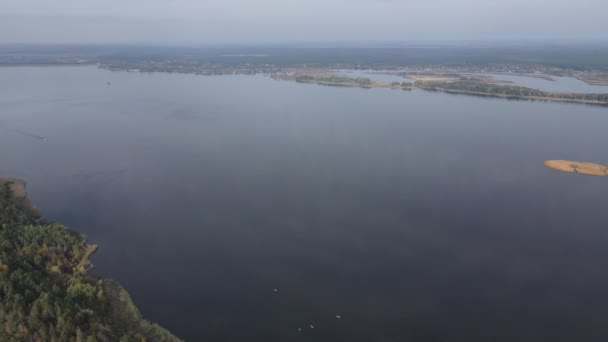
[[411, 215]]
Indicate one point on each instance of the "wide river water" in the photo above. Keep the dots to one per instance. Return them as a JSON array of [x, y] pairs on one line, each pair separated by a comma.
[[412, 215]]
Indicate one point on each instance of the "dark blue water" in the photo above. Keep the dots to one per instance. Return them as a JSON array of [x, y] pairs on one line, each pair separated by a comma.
[[413, 215]]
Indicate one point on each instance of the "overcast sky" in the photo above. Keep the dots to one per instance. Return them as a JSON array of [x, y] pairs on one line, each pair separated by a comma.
[[255, 21]]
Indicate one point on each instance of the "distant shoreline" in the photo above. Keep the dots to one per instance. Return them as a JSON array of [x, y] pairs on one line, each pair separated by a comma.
[[323, 76], [513, 97], [341, 81]]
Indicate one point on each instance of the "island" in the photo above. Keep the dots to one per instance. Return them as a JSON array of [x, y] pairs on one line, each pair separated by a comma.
[[584, 168], [46, 292], [341, 81], [508, 91], [480, 85]]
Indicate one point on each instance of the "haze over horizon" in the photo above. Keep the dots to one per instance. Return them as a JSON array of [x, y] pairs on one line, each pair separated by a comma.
[[268, 21]]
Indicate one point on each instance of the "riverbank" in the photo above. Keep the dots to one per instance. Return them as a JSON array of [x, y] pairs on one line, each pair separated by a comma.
[[328, 79], [85, 263], [17, 194], [536, 95], [474, 85], [66, 304]]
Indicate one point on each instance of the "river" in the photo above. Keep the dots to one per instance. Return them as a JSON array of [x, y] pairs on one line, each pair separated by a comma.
[[411, 215]]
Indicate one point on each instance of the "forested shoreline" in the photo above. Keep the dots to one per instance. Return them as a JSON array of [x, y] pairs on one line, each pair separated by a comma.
[[509, 91], [45, 291]]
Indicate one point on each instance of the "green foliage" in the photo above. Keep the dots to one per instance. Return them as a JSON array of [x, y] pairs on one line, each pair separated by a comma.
[[335, 80], [506, 90], [44, 295], [479, 87], [127, 316]]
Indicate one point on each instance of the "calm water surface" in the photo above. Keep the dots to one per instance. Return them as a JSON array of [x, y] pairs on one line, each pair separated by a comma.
[[412, 215]]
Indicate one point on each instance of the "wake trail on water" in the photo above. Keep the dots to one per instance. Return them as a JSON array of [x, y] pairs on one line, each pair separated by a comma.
[[31, 135], [24, 133]]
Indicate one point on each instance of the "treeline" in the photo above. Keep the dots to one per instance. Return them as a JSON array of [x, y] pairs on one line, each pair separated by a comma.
[[348, 81], [507, 90], [334, 79], [478, 87], [45, 294], [402, 84]]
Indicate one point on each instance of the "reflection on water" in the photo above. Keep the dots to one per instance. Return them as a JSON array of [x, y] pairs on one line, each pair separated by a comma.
[[411, 215]]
